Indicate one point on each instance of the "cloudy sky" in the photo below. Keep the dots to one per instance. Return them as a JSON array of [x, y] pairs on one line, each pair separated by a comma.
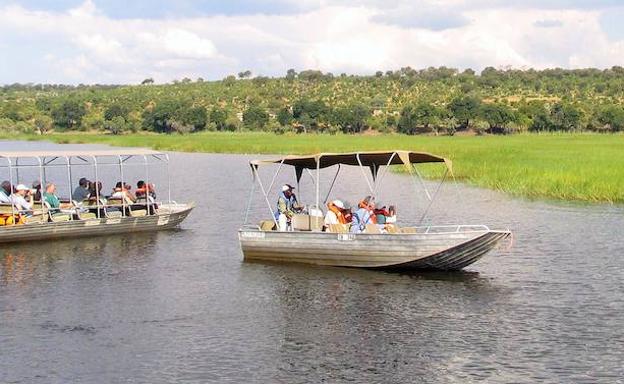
[[126, 41]]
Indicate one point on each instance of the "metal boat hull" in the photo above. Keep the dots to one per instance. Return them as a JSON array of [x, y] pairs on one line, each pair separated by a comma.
[[442, 251], [165, 219]]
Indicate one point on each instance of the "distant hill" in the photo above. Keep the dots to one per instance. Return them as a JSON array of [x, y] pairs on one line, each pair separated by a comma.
[[433, 100]]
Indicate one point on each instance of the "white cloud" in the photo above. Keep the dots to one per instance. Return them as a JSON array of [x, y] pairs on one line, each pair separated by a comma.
[[85, 45]]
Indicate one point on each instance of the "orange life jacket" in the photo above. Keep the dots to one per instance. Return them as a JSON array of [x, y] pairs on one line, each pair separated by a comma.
[[341, 218]]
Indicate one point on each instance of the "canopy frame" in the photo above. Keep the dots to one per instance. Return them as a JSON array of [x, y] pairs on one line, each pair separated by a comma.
[[45, 159], [373, 160]]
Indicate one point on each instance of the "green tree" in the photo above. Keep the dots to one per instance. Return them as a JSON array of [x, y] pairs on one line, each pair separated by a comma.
[[255, 118], [116, 109], [497, 116], [284, 116], [69, 113], [352, 118], [612, 116], [464, 109], [219, 117], [116, 125], [426, 115], [565, 117], [408, 122]]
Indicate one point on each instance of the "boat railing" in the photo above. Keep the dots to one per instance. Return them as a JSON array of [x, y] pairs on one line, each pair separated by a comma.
[[451, 228]]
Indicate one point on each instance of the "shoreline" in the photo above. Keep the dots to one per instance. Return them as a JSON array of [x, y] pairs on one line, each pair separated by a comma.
[[573, 167]]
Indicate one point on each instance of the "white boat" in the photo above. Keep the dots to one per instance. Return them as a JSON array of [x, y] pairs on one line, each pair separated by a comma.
[[444, 247], [94, 217]]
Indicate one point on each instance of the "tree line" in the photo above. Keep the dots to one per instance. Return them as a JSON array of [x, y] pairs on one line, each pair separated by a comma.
[[433, 101]]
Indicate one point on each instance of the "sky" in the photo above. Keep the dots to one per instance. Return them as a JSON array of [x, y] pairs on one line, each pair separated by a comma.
[[126, 41]]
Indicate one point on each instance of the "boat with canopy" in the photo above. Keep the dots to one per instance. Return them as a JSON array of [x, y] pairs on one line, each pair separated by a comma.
[[96, 215], [308, 240]]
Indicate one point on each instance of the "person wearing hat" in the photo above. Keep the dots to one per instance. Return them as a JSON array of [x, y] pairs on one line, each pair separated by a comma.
[[287, 206], [19, 199], [81, 193], [335, 213]]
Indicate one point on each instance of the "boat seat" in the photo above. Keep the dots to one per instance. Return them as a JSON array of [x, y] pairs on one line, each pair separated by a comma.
[[372, 229], [267, 225], [138, 213], [392, 228], [87, 215], [33, 219], [59, 217], [338, 228], [7, 209], [113, 214], [302, 222]]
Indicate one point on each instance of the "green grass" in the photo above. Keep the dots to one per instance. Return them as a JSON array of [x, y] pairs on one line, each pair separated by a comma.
[[574, 167]]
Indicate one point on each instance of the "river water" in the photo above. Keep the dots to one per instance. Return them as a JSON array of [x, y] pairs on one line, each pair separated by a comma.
[[182, 306]]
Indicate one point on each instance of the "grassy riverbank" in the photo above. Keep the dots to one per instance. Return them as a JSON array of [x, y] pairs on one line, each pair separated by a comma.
[[576, 167]]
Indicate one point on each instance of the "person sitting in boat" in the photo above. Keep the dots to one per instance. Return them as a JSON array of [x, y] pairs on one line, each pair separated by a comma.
[[95, 190], [5, 192], [122, 192], [81, 193], [50, 197], [36, 186], [335, 213], [144, 189], [364, 215], [18, 199], [287, 206]]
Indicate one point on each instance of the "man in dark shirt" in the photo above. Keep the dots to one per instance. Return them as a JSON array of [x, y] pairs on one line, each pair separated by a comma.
[[81, 193]]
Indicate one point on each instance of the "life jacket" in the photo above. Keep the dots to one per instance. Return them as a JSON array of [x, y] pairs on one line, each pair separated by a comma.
[[290, 203], [341, 217], [360, 218]]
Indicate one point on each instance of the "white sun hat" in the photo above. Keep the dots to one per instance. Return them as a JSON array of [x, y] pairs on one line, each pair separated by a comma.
[[21, 187], [338, 204]]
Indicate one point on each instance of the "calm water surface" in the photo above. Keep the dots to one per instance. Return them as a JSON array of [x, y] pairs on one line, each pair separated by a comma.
[[182, 306]]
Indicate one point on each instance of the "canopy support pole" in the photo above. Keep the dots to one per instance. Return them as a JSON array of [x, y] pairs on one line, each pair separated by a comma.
[[383, 174], [422, 182], [168, 181], [432, 200], [11, 186], [275, 176], [42, 189], [370, 187], [123, 184], [331, 187], [147, 187], [251, 193], [266, 197], [69, 179], [318, 181], [97, 187]]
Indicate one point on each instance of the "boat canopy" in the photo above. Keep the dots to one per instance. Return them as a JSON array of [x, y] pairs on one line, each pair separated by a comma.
[[373, 159], [79, 153]]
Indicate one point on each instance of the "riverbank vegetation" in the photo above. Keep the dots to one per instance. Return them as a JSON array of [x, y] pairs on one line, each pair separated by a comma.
[[576, 167], [431, 101]]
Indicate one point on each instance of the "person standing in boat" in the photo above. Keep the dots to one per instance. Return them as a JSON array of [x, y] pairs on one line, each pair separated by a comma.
[[287, 206]]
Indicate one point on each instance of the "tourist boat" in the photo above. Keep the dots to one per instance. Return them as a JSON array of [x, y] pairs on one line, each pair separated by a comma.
[[447, 247], [97, 216]]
